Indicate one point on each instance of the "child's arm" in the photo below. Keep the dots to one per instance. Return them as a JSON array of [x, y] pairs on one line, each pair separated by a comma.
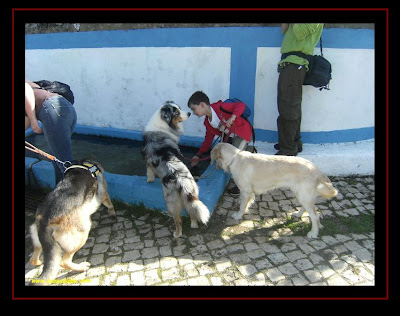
[[206, 146], [236, 108]]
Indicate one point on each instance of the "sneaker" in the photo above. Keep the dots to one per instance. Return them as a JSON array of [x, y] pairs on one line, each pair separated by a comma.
[[234, 191], [299, 148]]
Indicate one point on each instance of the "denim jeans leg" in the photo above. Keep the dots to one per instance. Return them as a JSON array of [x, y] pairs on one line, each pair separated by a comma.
[[58, 117]]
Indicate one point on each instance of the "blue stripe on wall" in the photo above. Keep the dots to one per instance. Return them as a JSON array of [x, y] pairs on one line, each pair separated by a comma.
[[340, 136], [192, 37]]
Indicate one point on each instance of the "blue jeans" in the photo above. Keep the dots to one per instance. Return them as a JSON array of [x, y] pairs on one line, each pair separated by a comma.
[[58, 117]]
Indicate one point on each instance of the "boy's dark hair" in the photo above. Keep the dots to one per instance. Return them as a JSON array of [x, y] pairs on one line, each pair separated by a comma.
[[197, 97]]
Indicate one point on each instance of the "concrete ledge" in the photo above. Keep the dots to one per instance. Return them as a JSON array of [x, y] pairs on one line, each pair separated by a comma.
[[42, 171], [344, 159], [135, 189], [339, 159]]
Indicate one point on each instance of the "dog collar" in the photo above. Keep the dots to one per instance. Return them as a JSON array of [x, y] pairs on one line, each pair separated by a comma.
[[94, 171]]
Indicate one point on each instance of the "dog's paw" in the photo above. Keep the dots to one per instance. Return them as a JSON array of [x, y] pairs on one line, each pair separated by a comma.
[[111, 212], [177, 235], [298, 214], [37, 262], [194, 224], [150, 179], [312, 235], [83, 266], [237, 216]]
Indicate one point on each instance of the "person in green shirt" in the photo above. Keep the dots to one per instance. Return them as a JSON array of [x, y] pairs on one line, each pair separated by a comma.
[[299, 38]]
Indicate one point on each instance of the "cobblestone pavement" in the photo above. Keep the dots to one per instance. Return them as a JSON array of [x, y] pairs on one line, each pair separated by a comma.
[[267, 247]]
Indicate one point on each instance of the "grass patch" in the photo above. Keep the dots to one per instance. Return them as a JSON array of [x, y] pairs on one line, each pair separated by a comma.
[[298, 227], [362, 224], [138, 210]]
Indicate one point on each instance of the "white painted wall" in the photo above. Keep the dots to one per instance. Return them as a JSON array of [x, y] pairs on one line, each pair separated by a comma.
[[122, 87], [348, 104]]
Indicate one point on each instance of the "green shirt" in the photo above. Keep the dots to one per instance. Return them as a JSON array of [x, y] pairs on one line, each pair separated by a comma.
[[301, 38]]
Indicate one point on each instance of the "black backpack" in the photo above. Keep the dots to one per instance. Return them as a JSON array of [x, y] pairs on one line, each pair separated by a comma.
[[319, 73], [57, 87], [319, 69]]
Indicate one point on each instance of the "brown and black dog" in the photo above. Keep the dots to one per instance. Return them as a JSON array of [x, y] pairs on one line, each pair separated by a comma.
[[62, 221]]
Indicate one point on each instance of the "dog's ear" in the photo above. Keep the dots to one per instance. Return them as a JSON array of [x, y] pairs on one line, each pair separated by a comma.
[[212, 156], [215, 153], [166, 113]]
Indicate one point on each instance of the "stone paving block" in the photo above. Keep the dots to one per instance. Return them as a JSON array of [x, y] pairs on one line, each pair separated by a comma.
[[313, 275], [135, 265], [215, 244], [222, 266], [337, 280], [363, 254], [150, 252], [168, 262], [240, 258], [288, 269], [123, 280], [190, 270], [170, 274], [100, 248], [131, 255], [269, 248], [201, 280], [278, 258], [256, 253], [151, 277], [295, 255], [352, 245], [303, 264], [275, 275], [138, 278], [216, 280], [247, 270]]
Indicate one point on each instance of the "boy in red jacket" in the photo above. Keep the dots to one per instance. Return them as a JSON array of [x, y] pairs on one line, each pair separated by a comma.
[[217, 120]]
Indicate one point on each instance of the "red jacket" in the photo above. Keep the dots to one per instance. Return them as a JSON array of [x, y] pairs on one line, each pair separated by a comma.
[[241, 127]]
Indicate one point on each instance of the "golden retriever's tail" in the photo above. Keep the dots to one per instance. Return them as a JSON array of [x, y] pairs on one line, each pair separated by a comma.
[[325, 187]]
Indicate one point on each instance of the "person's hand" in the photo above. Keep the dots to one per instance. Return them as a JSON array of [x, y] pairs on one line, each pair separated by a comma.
[[194, 161], [230, 121], [35, 127]]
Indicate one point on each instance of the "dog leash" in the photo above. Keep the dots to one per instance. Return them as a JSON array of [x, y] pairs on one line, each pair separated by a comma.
[[226, 131], [44, 154]]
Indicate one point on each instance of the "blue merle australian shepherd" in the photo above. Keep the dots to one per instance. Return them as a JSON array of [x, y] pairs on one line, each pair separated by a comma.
[[163, 159]]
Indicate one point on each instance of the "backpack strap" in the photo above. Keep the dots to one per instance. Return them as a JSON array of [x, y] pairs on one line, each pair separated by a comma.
[[253, 134]]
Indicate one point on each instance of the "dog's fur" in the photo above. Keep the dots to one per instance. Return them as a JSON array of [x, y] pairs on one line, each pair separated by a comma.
[[63, 221], [163, 159], [258, 173]]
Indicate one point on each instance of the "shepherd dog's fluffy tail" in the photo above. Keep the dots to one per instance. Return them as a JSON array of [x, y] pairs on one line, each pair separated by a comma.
[[189, 192], [325, 187], [51, 253], [198, 210]]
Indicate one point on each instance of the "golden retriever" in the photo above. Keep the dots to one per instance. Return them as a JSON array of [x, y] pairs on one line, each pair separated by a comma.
[[259, 173]]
